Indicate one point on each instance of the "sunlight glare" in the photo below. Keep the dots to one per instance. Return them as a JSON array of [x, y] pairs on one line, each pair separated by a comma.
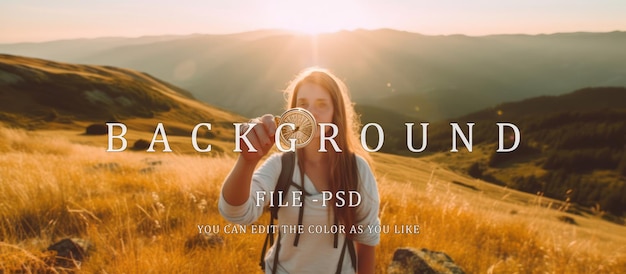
[[315, 17]]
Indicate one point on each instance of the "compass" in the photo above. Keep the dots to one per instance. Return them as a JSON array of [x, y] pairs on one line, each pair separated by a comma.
[[305, 126]]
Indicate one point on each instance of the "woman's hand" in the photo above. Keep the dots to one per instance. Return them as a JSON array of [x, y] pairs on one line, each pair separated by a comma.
[[236, 187], [261, 137]]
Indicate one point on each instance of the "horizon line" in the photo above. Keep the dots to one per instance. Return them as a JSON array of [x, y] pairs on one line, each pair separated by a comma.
[[296, 32]]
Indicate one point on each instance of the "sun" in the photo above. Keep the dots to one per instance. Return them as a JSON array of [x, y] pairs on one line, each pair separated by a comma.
[[315, 17], [315, 29]]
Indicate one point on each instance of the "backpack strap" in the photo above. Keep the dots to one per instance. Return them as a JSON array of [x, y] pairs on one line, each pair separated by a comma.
[[350, 245], [288, 160], [284, 180]]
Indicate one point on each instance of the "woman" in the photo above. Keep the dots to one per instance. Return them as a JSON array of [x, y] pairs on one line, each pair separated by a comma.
[[310, 250]]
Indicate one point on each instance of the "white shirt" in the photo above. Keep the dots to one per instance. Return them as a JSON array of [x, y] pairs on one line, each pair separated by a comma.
[[315, 252]]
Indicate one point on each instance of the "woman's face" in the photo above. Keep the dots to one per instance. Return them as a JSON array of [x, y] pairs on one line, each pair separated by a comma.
[[317, 100]]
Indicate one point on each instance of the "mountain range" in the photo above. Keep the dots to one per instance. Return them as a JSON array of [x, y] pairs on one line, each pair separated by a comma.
[[572, 143], [424, 77]]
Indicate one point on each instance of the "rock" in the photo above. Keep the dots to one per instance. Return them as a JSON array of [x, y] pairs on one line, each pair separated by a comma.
[[203, 240], [141, 144], [70, 252], [424, 261], [97, 129], [567, 220]]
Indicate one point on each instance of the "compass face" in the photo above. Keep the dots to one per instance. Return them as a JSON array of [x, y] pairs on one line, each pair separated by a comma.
[[305, 126]]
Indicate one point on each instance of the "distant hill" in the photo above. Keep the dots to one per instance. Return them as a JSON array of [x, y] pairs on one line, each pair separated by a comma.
[[573, 146], [36, 93], [426, 77]]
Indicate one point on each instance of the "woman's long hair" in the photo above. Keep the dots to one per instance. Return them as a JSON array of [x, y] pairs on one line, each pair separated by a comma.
[[343, 167]]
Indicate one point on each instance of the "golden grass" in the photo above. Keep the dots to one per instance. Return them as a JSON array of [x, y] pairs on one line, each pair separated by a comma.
[[138, 209]]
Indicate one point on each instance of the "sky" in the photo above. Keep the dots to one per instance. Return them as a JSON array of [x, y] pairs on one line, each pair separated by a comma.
[[45, 20]]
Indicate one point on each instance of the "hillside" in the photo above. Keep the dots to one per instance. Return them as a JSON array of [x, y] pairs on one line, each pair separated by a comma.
[[134, 209], [429, 77], [42, 94], [572, 147]]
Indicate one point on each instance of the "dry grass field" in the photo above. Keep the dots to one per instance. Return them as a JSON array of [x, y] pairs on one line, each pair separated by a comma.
[[138, 209]]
